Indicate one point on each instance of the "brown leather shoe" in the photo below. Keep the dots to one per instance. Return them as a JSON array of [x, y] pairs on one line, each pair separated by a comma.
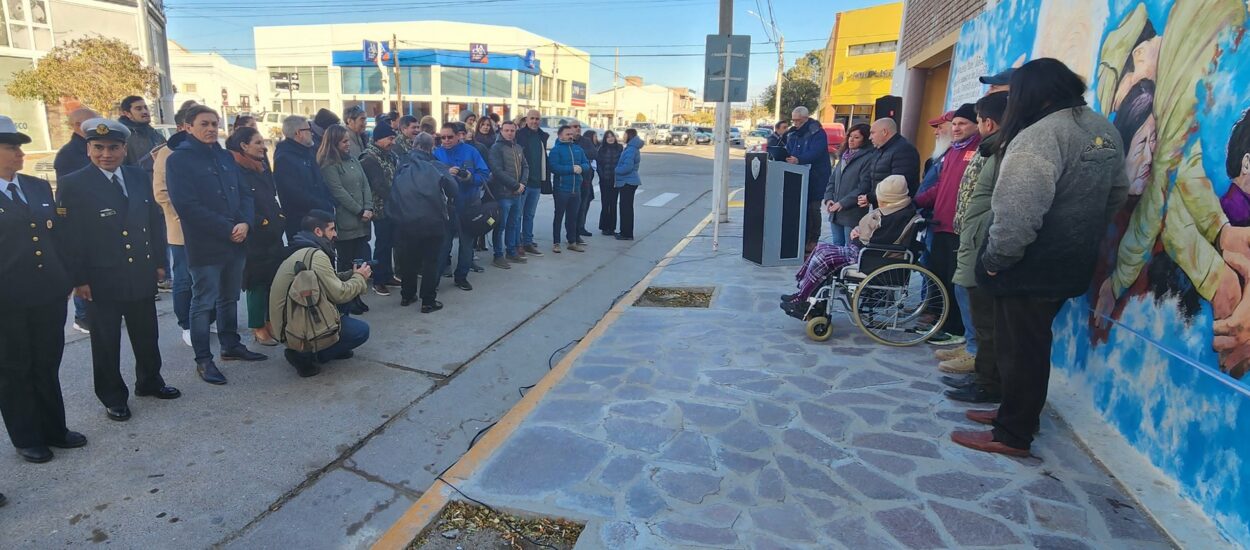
[[982, 417], [984, 441]]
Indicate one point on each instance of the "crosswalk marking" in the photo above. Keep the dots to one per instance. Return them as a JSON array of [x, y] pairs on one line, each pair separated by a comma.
[[661, 199]]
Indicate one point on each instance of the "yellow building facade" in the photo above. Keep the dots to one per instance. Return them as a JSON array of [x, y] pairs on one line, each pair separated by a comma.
[[859, 63]]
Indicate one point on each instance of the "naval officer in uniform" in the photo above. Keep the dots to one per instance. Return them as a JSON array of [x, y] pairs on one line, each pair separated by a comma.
[[115, 250], [32, 308]]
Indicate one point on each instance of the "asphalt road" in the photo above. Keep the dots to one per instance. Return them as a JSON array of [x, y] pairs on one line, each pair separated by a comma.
[[273, 460]]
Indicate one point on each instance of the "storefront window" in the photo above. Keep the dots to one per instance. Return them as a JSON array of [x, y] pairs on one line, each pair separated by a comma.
[[525, 86], [27, 115], [362, 80], [312, 80], [561, 94], [417, 80], [476, 82]]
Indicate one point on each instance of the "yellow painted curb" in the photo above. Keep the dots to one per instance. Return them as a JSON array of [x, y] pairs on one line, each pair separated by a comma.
[[426, 508]]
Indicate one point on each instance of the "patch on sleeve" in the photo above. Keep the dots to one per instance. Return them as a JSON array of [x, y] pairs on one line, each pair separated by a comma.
[[61, 211]]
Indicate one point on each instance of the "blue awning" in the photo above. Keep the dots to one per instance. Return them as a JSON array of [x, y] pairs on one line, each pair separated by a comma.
[[445, 58]]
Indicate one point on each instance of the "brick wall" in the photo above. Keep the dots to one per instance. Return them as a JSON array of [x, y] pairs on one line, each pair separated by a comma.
[[925, 21]]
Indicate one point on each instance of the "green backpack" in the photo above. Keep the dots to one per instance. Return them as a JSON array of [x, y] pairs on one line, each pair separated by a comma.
[[310, 320]]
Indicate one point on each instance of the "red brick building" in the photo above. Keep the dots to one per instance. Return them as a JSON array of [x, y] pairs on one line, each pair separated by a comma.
[[930, 30]]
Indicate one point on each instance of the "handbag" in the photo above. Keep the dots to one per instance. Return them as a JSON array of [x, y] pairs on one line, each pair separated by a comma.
[[480, 218]]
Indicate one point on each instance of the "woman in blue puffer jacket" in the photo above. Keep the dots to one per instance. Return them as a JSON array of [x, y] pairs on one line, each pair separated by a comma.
[[627, 182]]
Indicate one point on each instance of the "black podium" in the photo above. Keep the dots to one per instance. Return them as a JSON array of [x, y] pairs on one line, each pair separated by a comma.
[[774, 213]]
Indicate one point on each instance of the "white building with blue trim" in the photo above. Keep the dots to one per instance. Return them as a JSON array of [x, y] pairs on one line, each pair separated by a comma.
[[303, 68]]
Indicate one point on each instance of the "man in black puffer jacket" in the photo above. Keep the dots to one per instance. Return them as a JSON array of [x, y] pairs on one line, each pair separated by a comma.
[[895, 156], [533, 141]]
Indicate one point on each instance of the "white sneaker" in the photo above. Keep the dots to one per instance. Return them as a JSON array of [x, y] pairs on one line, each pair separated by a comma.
[[212, 329], [186, 337], [81, 328]]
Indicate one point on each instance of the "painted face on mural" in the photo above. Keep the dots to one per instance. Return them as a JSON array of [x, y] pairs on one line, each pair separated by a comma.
[[1141, 154]]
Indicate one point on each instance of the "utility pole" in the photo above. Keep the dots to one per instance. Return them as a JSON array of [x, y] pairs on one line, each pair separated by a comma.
[[720, 168], [616, 71], [399, 84], [781, 67]]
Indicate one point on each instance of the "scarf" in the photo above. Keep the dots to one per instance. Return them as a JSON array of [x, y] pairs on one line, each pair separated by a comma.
[[484, 139], [248, 163], [305, 239], [963, 144], [850, 154]]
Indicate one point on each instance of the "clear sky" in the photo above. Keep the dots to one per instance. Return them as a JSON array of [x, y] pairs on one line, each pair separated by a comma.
[[660, 40]]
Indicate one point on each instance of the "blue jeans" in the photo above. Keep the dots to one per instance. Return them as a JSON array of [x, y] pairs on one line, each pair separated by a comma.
[[384, 233], [182, 285], [216, 288], [464, 254], [840, 234], [353, 333], [529, 207], [80, 308], [965, 313], [504, 235], [567, 204]]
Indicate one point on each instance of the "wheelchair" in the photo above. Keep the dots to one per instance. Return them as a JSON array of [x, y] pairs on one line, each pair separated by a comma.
[[887, 294]]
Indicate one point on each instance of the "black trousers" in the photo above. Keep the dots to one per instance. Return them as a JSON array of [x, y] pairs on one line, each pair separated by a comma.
[[106, 347], [625, 198], [943, 258], [986, 373], [588, 194], [31, 342], [418, 254], [607, 206], [813, 222], [1024, 365], [351, 250]]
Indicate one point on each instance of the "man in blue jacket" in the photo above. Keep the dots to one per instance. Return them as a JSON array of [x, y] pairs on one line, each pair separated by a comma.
[[215, 207], [300, 185], [568, 162], [469, 169], [808, 144]]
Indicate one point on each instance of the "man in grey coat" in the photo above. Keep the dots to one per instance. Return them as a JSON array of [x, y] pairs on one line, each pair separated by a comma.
[[508, 173]]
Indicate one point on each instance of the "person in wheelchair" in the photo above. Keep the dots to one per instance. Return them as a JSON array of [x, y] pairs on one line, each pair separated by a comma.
[[886, 224]]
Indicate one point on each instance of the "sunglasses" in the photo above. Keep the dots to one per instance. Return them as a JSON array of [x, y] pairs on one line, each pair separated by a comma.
[[447, 137]]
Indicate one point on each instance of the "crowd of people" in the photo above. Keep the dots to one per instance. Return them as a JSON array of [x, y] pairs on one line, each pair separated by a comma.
[[339, 211], [1018, 194]]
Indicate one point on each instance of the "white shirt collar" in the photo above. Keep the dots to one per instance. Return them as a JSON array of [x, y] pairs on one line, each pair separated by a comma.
[[117, 172]]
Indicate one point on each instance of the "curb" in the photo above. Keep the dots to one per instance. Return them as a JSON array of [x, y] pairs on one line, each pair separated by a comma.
[[432, 501]]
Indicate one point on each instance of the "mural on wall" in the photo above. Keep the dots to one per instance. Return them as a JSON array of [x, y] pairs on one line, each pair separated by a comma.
[[1161, 342]]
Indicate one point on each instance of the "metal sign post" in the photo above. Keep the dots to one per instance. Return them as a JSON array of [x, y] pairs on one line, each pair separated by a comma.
[[725, 81]]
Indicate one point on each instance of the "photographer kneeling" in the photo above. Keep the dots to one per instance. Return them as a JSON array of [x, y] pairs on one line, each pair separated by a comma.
[[305, 300]]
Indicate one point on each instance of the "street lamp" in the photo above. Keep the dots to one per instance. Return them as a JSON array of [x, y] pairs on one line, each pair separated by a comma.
[[781, 60]]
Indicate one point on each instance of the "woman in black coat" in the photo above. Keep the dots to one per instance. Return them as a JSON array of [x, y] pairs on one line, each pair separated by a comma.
[[608, 155], [265, 250], [846, 185]]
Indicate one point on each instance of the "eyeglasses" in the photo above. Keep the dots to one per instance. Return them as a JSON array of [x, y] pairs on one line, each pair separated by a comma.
[[446, 138]]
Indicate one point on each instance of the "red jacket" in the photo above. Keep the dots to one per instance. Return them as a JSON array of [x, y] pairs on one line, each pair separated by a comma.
[[944, 196]]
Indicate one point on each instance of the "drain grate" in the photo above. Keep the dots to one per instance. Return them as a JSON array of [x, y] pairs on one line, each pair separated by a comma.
[[675, 296]]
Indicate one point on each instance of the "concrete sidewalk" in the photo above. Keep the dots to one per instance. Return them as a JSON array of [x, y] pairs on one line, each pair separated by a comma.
[[727, 428]]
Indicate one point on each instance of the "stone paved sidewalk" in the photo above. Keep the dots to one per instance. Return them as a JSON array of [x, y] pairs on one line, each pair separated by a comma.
[[726, 428]]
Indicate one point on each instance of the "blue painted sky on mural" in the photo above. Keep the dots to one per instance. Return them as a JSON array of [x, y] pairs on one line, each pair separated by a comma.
[[1223, 107], [999, 50]]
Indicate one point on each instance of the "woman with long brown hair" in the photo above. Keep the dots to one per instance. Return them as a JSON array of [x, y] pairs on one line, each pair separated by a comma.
[[353, 199], [265, 250]]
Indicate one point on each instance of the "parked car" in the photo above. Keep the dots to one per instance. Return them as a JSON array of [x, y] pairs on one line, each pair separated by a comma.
[[645, 130], [702, 135], [735, 136], [551, 124], [663, 133], [270, 124], [836, 134], [681, 135], [756, 141]]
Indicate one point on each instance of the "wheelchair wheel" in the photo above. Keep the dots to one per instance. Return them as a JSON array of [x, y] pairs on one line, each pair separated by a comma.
[[891, 304], [819, 329]]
